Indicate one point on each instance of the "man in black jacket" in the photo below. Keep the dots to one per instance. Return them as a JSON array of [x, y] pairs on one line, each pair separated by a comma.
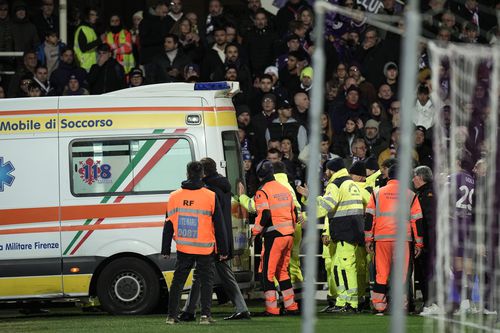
[[220, 185], [168, 66], [155, 25], [194, 219], [260, 44], [424, 265], [107, 75], [67, 67]]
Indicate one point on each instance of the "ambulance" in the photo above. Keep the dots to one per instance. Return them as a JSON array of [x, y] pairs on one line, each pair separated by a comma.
[[84, 182]]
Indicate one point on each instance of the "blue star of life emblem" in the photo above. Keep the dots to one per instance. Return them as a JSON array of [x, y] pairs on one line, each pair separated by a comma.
[[6, 178]]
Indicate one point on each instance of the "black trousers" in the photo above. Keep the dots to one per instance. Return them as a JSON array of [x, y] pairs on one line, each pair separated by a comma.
[[185, 262]]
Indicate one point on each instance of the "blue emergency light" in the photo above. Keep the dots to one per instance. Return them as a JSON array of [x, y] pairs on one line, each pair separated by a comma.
[[211, 86]]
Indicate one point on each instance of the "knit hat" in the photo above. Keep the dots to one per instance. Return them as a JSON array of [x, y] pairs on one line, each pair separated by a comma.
[[240, 109], [138, 14], [73, 77], [358, 168], [371, 123], [271, 96], [246, 156], [390, 65], [265, 169], [335, 164], [284, 104], [371, 163], [307, 71], [272, 70], [136, 71]]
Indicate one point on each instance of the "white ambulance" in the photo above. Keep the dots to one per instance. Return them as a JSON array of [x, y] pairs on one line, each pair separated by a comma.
[[84, 182]]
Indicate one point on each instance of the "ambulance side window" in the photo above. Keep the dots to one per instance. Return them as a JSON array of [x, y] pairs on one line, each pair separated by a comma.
[[128, 166]]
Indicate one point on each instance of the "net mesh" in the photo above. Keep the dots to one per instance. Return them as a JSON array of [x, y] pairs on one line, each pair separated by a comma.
[[466, 264]]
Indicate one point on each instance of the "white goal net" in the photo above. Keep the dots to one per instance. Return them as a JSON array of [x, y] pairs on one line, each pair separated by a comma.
[[465, 270]]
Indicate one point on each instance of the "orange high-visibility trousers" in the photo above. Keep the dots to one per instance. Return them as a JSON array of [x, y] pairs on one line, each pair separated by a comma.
[[276, 259], [384, 258]]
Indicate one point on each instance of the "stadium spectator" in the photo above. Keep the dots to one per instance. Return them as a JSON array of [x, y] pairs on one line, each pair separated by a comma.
[[26, 71], [216, 18], [6, 31], [34, 90], [134, 32], [168, 66], [377, 112], [232, 34], [247, 19], [372, 138], [119, 40], [424, 109], [350, 107], [152, 30], [260, 43], [290, 74], [46, 19], [359, 150], [342, 141], [191, 72], [366, 89], [232, 58], [301, 108], [423, 148], [289, 12], [73, 88], [385, 95], [391, 76], [189, 41], [306, 79], [86, 40], [286, 126], [67, 68], [215, 56], [49, 52], [107, 74], [41, 78], [136, 77], [261, 121], [175, 11], [23, 31], [292, 44]]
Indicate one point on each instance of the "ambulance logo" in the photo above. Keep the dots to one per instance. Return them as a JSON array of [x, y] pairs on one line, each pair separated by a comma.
[[94, 171], [6, 178]]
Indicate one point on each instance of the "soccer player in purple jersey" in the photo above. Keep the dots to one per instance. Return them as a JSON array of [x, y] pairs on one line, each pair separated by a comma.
[[462, 227]]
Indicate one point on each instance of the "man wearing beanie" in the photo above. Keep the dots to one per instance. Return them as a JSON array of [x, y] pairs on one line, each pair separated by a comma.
[[381, 232], [342, 207]]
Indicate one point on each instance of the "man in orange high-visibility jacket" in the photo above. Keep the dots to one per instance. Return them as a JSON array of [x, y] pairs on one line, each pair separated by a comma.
[[276, 218], [194, 220], [381, 233]]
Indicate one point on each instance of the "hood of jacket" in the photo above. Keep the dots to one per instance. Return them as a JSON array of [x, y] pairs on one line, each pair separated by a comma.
[[219, 182], [192, 184], [341, 173]]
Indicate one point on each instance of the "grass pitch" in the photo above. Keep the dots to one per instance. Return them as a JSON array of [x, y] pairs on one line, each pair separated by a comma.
[[74, 320]]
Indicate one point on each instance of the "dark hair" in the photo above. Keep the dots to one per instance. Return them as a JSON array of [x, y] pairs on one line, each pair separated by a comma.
[[231, 44], [209, 166], [173, 36], [194, 170], [40, 66], [279, 167], [219, 28], [387, 163], [274, 151], [266, 76], [393, 171], [325, 137]]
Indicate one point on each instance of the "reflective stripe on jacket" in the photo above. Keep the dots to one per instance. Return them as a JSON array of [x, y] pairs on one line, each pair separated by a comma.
[[343, 205], [383, 207], [190, 212], [276, 198], [89, 58], [122, 44]]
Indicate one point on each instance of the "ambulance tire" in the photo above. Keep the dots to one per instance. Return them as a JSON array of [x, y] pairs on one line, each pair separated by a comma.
[[128, 286]]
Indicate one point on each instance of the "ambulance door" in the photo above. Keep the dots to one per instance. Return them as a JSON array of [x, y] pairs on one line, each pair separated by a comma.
[[30, 248]]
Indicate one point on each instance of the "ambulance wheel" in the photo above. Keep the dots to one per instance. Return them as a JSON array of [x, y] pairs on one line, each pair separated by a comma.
[[128, 286]]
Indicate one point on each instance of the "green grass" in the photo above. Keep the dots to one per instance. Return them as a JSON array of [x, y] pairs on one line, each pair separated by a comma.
[[73, 320]]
